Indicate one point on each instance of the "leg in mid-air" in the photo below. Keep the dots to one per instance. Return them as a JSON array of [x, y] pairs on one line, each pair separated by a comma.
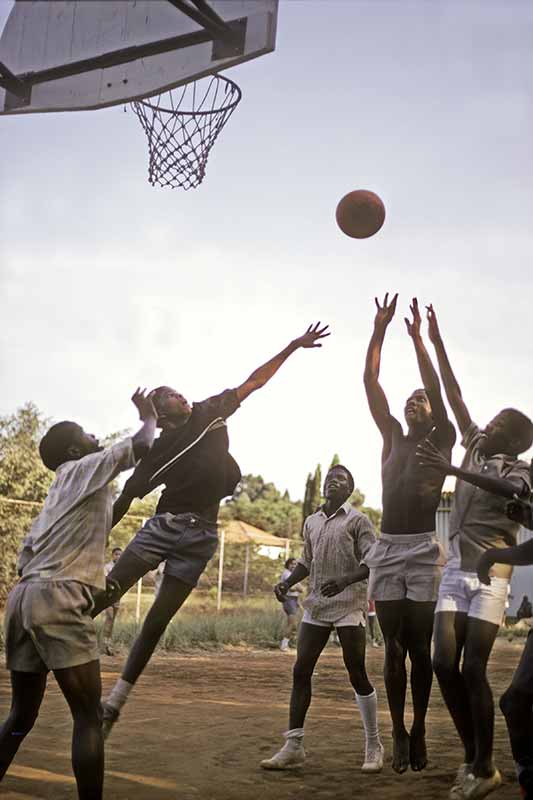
[[82, 689], [516, 704], [27, 692], [125, 573], [171, 596], [417, 631], [353, 642], [449, 638], [391, 615], [311, 641]]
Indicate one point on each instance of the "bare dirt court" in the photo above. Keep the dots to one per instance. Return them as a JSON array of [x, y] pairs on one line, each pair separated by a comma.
[[197, 727]]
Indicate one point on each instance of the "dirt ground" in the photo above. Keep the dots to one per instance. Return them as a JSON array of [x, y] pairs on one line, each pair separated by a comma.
[[197, 727]]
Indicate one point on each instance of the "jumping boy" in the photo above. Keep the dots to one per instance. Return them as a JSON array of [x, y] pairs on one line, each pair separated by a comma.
[[517, 701], [406, 562], [469, 613], [191, 459], [336, 540], [48, 625]]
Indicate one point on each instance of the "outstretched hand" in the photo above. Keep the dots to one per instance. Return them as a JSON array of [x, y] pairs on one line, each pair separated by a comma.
[[413, 328], [485, 563], [332, 587], [430, 456], [520, 511], [280, 590], [312, 335], [433, 325], [385, 312], [143, 403]]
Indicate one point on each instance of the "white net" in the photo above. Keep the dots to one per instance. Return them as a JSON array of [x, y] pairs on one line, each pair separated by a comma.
[[182, 126]]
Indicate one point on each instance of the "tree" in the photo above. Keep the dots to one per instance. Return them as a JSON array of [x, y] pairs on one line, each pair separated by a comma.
[[22, 473], [334, 461], [316, 490], [262, 504]]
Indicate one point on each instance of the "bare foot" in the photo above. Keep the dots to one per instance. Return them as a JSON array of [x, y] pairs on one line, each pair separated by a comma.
[[418, 754], [400, 752]]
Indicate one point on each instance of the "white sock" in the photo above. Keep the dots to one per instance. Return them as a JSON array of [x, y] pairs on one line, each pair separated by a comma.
[[368, 706], [119, 694], [294, 739]]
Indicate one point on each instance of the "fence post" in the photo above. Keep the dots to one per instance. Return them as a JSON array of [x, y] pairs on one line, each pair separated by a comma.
[[246, 568], [220, 571], [139, 591]]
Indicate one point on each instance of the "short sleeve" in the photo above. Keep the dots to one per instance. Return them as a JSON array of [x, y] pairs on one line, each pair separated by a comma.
[[220, 405], [307, 556], [520, 470], [471, 436], [364, 537], [96, 470]]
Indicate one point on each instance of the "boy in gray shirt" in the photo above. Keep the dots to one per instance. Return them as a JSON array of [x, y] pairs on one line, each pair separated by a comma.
[[48, 625]]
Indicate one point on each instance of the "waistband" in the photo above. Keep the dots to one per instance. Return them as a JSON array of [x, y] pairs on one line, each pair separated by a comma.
[[192, 518], [407, 538]]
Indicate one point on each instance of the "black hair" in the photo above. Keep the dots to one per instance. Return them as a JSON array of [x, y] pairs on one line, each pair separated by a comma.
[[116, 550], [351, 481], [520, 429], [53, 447], [288, 561]]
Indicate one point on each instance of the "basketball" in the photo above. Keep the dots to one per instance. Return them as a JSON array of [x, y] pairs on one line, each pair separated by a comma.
[[360, 214]]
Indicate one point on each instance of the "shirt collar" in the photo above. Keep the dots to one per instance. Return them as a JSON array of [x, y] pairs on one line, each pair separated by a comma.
[[346, 507]]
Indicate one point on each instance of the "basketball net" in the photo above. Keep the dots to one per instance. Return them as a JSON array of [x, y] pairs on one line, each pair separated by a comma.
[[182, 126]]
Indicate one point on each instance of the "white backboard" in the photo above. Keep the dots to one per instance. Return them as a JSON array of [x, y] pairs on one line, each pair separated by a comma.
[[46, 34]]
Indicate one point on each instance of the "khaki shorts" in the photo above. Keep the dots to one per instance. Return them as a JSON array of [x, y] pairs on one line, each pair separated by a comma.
[[462, 592], [48, 626], [353, 619], [405, 567]]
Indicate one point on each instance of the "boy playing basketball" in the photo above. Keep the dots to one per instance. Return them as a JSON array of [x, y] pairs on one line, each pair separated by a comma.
[[191, 459], [469, 613], [48, 625]]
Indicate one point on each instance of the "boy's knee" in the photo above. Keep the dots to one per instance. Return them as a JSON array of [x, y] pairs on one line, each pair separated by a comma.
[[301, 673], [21, 723], [474, 671], [514, 703], [445, 669]]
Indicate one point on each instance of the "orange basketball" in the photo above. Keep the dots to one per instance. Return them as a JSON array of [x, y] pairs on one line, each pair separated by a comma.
[[360, 214]]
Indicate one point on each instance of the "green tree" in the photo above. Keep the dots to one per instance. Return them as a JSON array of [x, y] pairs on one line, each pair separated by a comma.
[[334, 461], [263, 505], [23, 477], [316, 490]]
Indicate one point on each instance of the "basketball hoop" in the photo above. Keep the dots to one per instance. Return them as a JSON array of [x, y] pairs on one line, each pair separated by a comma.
[[182, 126]]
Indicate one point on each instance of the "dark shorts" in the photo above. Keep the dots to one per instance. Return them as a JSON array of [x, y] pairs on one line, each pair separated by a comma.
[[185, 542], [291, 606]]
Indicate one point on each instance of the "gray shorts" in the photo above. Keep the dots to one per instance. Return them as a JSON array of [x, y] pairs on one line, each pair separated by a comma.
[[48, 626], [185, 542], [291, 606], [405, 567]]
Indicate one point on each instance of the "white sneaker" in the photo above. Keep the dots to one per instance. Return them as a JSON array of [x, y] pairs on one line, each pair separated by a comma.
[[475, 788], [291, 755], [373, 757], [284, 646]]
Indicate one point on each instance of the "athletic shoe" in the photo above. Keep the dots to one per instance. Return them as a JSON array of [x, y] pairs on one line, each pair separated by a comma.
[[109, 717], [375, 643], [284, 645], [475, 787], [373, 758], [287, 758], [456, 792]]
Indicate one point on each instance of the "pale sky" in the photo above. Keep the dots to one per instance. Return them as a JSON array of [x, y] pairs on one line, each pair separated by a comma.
[[108, 283]]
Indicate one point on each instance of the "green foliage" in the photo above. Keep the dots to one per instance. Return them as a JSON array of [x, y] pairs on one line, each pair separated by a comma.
[[24, 477], [22, 474], [316, 490], [261, 504], [334, 461]]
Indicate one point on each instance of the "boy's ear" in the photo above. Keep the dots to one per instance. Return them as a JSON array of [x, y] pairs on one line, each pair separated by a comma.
[[74, 451]]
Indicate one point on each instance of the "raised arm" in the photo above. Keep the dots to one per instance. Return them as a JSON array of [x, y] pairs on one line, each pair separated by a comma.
[[377, 401], [141, 441], [431, 456], [428, 373], [451, 387], [263, 374]]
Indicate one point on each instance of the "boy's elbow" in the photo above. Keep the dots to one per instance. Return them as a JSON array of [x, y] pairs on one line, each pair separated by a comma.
[[140, 450]]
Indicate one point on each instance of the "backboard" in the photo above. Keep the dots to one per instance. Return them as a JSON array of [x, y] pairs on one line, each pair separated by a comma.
[[71, 55]]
